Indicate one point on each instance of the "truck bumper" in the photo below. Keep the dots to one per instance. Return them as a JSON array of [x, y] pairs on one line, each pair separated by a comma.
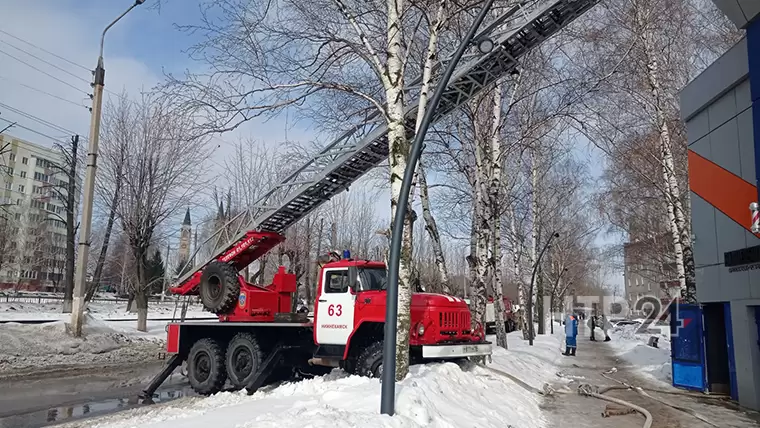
[[458, 350]]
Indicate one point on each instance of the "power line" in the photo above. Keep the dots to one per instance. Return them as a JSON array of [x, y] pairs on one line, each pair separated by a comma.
[[46, 62], [44, 72], [30, 116], [43, 92], [16, 124], [45, 50]]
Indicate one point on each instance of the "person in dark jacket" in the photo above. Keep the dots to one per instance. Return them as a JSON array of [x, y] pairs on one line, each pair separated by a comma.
[[593, 327]]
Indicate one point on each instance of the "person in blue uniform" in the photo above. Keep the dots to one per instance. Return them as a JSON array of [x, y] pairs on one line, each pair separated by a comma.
[[571, 334]]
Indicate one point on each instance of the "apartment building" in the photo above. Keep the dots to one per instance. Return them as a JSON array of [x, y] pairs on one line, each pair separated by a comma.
[[32, 215], [649, 271]]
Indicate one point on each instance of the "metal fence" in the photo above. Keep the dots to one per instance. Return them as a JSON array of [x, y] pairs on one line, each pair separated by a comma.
[[37, 298]]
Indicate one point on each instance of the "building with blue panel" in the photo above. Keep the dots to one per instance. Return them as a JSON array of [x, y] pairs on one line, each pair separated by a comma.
[[721, 108]]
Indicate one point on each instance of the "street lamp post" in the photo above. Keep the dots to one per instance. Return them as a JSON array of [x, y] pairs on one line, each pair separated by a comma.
[[388, 394], [80, 276]]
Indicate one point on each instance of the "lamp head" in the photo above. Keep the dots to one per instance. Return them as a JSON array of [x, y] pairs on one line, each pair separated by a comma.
[[485, 45]]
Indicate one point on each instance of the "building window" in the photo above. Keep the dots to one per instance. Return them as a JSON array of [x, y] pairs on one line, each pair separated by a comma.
[[25, 161], [23, 174], [12, 157], [21, 188], [649, 287], [41, 177], [9, 185]]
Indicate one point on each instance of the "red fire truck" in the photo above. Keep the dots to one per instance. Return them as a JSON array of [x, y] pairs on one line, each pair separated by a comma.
[[258, 338]]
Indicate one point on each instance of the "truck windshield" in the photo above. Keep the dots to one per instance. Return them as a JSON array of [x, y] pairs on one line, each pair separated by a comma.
[[372, 279]]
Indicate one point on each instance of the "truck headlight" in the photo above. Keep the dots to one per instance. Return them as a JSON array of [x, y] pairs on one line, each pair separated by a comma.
[[420, 329]]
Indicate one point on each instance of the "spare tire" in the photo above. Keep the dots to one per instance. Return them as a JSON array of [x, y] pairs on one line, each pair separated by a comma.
[[219, 287]]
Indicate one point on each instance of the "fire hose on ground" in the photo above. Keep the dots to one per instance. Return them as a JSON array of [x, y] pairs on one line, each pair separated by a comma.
[[583, 389], [596, 392]]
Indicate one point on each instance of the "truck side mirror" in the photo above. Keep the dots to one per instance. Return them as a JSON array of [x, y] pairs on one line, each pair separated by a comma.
[[353, 273]]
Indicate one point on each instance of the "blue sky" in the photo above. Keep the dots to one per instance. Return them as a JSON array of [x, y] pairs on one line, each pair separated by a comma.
[[138, 50]]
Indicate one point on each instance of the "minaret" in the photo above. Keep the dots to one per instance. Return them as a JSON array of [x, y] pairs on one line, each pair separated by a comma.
[[184, 239]]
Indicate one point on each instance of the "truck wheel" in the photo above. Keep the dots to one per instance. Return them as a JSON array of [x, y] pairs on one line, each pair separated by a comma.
[[205, 367], [244, 358], [370, 361], [220, 287]]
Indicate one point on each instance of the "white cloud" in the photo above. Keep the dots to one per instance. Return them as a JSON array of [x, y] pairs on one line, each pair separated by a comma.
[[74, 35], [70, 36]]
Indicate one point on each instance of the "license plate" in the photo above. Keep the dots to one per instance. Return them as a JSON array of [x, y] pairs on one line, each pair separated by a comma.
[[470, 348]]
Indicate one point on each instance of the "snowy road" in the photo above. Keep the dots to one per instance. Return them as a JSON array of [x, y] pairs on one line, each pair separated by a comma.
[[639, 365]]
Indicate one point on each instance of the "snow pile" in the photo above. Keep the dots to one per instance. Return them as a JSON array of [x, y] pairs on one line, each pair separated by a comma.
[[535, 365], [25, 346], [631, 346], [435, 395], [47, 310]]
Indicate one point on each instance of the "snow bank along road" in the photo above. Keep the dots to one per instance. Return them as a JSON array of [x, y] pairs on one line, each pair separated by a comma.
[[433, 395]]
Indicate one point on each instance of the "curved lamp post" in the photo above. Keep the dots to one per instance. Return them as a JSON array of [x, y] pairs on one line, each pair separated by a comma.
[[80, 277], [388, 395]]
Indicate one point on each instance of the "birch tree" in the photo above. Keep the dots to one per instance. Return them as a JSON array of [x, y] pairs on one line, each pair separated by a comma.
[[663, 47], [333, 61]]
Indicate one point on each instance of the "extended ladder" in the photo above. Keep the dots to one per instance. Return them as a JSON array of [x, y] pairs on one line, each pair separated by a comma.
[[357, 151]]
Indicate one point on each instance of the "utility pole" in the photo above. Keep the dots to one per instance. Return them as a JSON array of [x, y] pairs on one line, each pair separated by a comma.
[[71, 187], [80, 278]]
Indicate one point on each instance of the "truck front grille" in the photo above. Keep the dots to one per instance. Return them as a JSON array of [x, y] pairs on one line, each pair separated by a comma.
[[454, 322]]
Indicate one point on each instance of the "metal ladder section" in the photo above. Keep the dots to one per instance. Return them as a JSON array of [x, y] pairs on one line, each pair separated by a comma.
[[358, 150]]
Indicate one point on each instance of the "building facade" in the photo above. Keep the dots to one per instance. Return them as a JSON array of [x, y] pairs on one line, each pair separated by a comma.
[[646, 274], [33, 221], [721, 108]]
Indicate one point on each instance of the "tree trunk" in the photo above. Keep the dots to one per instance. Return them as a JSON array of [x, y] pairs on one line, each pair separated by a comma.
[[535, 225], [141, 301], [540, 293], [432, 228], [677, 220], [106, 240], [305, 288], [393, 77], [495, 214], [68, 292], [517, 249], [141, 290], [472, 257]]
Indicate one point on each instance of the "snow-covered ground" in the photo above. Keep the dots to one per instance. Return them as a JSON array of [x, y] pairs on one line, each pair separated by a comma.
[[106, 340], [433, 395], [632, 348], [22, 311], [27, 346]]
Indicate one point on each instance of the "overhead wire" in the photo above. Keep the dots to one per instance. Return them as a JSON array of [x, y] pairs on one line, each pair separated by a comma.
[[39, 120], [46, 62], [32, 88], [16, 124], [45, 50], [45, 72]]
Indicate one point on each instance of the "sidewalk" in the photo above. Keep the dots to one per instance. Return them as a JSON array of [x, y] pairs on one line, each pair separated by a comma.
[[567, 408]]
